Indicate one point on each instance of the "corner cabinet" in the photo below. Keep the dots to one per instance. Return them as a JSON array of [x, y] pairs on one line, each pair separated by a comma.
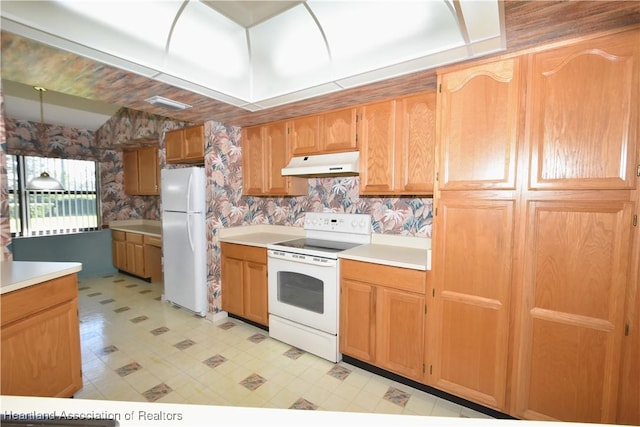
[[244, 282], [186, 145], [265, 152], [141, 171], [137, 254], [382, 313], [40, 348], [397, 145]]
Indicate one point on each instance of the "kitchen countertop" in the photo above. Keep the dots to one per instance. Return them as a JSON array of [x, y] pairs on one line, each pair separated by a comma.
[[21, 274], [259, 235], [141, 226], [393, 250], [392, 255]]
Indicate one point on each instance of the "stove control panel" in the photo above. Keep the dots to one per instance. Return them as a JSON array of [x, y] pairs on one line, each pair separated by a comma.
[[338, 222]]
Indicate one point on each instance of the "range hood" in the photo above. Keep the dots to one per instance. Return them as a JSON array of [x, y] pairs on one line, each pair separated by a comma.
[[335, 164]]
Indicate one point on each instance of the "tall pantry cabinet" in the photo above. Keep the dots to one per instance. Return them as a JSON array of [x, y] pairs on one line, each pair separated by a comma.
[[580, 210], [536, 234], [479, 111]]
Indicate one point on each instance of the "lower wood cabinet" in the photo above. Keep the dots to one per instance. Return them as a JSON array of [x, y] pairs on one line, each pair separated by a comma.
[[573, 326], [244, 282], [382, 316], [137, 254], [40, 340]]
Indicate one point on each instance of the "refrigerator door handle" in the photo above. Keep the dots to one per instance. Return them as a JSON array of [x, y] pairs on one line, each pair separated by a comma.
[[189, 197], [189, 216]]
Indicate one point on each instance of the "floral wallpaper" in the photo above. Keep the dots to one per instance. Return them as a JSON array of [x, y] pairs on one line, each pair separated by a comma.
[[5, 227], [227, 207]]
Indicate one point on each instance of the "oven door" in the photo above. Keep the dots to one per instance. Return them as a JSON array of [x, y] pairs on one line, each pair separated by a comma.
[[304, 289]]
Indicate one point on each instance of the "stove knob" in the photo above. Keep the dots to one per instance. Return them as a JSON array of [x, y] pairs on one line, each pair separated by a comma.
[[363, 223], [354, 223]]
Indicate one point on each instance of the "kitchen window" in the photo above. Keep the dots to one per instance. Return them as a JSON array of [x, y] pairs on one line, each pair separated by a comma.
[[50, 212]]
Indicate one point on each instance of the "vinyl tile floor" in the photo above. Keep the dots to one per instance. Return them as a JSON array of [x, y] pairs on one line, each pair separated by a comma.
[[137, 347]]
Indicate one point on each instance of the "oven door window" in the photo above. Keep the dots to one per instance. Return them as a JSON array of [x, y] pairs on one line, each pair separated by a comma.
[[300, 290]]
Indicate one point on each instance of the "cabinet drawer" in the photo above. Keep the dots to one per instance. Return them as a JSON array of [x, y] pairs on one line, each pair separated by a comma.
[[153, 241], [248, 253], [118, 235], [27, 301], [404, 279], [135, 238]]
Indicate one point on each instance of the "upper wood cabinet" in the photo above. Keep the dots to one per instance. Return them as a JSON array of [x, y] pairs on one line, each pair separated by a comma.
[[338, 130], [415, 143], [141, 171], [304, 136], [397, 145], [331, 132], [265, 153], [479, 113], [377, 133], [583, 114], [185, 145]]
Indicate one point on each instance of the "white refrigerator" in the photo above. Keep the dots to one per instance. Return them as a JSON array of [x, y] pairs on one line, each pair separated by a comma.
[[184, 238]]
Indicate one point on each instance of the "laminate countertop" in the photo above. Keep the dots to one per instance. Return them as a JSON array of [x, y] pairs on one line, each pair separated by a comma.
[[392, 250], [140, 226], [20, 274]]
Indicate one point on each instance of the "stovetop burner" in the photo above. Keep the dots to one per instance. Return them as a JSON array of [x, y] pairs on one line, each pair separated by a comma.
[[319, 245], [327, 234]]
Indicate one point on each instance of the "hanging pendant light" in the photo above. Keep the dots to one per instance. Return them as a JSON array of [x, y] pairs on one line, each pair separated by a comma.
[[42, 129], [44, 182]]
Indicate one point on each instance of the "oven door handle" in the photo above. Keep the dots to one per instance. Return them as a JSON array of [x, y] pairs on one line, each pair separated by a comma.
[[304, 259]]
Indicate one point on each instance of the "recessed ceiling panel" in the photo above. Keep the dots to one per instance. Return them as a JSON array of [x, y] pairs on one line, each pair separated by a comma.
[[210, 50], [288, 54]]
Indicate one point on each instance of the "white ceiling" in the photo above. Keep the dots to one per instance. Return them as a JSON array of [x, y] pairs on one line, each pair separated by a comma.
[[256, 55]]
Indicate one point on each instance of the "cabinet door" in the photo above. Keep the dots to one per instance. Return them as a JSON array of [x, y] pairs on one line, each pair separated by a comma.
[[232, 285], [148, 171], [472, 271], [119, 250], [376, 131], [139, 262], [253, 153], [277, 156], [338, 130], [41, 353], [576, 271], [255, 292], [194, 144], [479, 111], [130, 170], [357, 320], [584, 114], [415, 143], [400, 325], [174, 148], [304, 136]]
